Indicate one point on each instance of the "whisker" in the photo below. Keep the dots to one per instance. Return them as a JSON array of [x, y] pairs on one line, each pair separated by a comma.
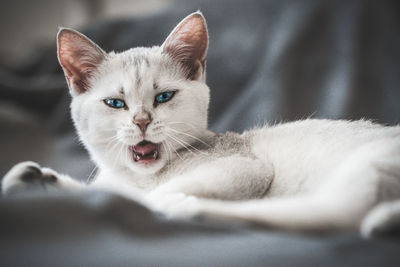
[[106, 140], [118, 155], [113, 143], [127, 155], [179, 142], [185, 123], [167, 152], [176, 152], [89, 178], [187, 144], [184, 133]]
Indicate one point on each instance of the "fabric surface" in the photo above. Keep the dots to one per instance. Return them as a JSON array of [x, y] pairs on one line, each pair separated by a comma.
[[268, 61]]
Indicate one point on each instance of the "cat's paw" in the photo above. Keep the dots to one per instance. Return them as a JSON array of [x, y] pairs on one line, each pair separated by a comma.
[[173, 205], [28, 176], [383, 220]]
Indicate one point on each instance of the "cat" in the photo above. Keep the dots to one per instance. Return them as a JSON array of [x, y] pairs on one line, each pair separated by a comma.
[[142, 115]]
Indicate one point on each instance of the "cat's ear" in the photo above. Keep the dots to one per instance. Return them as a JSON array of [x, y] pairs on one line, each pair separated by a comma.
[[79, 57], [188, 44]]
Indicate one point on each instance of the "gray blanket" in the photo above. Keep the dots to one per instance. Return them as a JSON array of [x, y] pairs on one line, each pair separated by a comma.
[[269, 61]]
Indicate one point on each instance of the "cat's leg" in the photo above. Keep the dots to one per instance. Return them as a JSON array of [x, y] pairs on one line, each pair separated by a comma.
[[228, 178], [29, 176], [303, 214], [369, 176]]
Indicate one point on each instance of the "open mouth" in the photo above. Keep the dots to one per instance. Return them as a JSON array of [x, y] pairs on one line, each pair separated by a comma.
[[145, 152]]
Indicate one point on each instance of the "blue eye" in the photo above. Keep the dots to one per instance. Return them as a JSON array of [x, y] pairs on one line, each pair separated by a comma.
[[114, 103], [164, 97]]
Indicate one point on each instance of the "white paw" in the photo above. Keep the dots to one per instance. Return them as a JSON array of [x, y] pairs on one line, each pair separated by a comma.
[[27, 176], [173, 205], [382, 220]]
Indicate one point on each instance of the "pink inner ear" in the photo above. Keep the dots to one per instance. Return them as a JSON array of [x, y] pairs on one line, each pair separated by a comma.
[[193, 33], [188, 44], [79, 58]]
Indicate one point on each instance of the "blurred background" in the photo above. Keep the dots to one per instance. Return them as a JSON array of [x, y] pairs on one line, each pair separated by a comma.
[[29, 25], [269, 61]]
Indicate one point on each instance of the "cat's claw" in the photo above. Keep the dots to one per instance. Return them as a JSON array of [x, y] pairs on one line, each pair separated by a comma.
[[28, 176]]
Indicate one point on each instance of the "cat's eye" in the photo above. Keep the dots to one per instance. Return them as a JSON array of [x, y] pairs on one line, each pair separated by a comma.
[[164, 97], [114, 102]]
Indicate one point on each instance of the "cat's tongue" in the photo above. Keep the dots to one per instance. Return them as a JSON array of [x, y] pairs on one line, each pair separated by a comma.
[[144, 147], [145, 151]]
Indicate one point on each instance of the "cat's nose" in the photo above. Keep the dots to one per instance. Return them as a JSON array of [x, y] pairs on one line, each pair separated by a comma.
[[142, 120]]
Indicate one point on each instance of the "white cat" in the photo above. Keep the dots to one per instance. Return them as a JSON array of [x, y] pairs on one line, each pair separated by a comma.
[[142, 115]]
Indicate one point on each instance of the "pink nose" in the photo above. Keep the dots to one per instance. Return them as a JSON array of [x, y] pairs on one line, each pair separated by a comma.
[[142, 120]]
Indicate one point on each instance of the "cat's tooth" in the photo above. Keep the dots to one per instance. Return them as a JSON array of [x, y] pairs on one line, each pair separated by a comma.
[[137, 157], [155, 154]]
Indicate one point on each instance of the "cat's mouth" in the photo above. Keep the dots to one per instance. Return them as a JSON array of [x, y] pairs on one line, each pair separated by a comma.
[[145, 152]]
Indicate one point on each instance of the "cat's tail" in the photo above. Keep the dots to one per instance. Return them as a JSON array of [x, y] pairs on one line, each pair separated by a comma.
[[382, 220]]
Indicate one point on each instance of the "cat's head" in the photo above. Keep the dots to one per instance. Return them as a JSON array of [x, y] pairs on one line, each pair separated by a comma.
[[134, 109]]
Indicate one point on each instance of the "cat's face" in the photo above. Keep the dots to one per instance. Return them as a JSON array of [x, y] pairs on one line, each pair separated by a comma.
[[133, 110]]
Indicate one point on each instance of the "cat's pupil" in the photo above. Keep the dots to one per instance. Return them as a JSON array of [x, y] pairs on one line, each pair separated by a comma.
[[116, 103]]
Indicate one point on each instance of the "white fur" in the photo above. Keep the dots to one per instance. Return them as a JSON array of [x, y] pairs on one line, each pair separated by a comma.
[[311, 175]]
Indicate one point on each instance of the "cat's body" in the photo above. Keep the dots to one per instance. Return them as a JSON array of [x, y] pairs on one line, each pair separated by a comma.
[[142, 114], [323, 143]]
